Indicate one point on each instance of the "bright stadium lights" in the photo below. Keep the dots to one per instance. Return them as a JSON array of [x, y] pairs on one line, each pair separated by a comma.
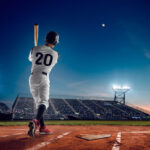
[[118, 87], [126, 87], [115, 87]]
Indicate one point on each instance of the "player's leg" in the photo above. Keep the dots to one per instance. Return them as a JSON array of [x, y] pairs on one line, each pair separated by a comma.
[[42, 122], [34, 124], [40, 114], [34, 83], [43, 105], [44, 92]]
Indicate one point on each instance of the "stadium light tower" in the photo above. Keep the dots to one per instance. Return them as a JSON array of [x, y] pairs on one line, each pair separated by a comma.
[[120, 92]]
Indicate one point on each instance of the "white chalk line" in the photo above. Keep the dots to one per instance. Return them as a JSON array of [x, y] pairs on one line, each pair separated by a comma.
[[60, 136], [118, 138], [18, 129], [38, 146], [137, 132], [116, 145], [11, 135]]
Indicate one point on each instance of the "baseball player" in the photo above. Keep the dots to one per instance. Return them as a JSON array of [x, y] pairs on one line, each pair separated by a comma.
[[43, 59]]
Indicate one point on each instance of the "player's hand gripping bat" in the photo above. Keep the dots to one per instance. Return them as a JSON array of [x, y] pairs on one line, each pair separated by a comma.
[[36, 28]]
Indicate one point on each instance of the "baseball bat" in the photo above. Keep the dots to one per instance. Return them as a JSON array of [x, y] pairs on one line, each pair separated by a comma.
[[36, 28]]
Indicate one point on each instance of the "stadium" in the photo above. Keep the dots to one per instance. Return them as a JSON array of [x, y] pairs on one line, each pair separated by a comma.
[[70, 118], [75, 108], [78, 109], [97, 97]]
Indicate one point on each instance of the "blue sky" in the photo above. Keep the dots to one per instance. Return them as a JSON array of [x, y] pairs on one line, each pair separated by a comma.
[[92, 57]]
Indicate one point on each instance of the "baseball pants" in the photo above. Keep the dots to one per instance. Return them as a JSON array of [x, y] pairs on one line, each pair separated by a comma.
[[39, 88]]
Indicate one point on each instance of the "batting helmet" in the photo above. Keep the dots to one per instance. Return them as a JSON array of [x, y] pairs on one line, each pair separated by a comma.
[[52, 37]]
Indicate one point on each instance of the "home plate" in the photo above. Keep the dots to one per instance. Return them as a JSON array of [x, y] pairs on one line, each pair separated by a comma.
[[90, 137]]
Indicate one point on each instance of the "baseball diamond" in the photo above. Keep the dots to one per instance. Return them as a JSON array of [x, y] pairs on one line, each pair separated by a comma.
[[67, 137]]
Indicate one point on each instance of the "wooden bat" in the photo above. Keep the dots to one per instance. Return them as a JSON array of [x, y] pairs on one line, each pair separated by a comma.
[[36, 29]]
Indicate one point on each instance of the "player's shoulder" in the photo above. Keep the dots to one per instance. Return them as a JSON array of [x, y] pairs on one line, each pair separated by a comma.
[[39, 48], [55, 52], [45, 49]]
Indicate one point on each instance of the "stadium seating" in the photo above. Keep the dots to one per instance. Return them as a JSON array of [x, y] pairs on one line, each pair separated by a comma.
[[64, 109], [5, 112], [3, 108]]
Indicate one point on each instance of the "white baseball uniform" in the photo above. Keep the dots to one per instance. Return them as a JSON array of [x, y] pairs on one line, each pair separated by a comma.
[[43, 59]]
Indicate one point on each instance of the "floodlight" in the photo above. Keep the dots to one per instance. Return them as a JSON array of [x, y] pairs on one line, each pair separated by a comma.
[[116, 87], [120, 92], [119, 88], [126, 87]]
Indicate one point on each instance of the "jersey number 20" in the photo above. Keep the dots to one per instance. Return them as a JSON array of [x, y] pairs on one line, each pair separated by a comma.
[[47, 59]]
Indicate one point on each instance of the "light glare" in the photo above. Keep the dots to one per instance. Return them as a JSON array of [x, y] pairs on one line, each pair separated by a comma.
[[118, 87]]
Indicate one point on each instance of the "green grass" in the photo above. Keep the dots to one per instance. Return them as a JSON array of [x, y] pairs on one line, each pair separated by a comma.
[[80, 122]]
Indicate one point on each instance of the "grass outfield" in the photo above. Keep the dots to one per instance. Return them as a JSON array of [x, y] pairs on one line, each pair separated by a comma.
[[80, 122]]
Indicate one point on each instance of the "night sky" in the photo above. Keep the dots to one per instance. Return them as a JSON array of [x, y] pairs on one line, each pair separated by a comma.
[[92, 57]]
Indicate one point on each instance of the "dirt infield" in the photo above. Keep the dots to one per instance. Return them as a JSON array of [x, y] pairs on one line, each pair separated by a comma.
[[66, 138]]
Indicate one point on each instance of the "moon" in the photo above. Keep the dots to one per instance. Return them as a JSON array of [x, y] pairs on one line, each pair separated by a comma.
[[103, 25]]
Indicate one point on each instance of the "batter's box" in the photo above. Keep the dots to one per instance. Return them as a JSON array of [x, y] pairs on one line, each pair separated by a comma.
[[136, 140]]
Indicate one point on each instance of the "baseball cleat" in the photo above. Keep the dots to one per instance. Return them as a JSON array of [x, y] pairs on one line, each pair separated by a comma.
[[44, 130], [33, 125]]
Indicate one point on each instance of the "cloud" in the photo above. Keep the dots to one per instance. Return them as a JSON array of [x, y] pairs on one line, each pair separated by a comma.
[[147, 54], [98, 94], [78, 83], [146, 108], [105, 94], [86, 88]]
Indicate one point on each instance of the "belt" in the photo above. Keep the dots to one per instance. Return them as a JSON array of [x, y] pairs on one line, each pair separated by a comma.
[[44, 73]]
